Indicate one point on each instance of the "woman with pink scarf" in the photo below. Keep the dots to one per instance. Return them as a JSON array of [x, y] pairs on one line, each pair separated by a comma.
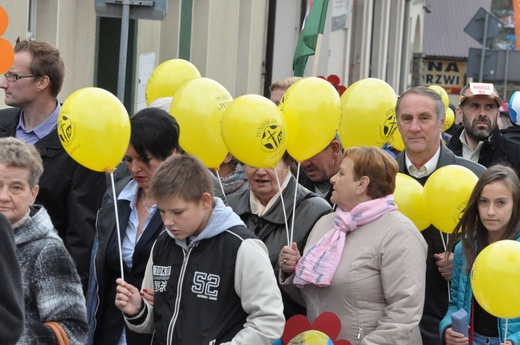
[[366, 262]]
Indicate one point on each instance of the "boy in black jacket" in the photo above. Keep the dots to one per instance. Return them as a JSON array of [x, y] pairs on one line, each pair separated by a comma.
[[212, 277]]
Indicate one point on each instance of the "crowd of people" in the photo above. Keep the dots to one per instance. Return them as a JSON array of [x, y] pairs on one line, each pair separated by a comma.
[[194, 260]]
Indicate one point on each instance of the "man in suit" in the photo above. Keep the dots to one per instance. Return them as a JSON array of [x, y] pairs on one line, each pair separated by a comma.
[[71, 193], [420, 115]]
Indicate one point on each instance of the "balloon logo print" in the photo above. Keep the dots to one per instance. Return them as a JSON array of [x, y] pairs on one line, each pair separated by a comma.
[[254, 131], [390, 125], [65, 129], [272, 137]]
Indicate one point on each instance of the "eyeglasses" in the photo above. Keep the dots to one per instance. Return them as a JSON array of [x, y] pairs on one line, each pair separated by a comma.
[[11, 77]]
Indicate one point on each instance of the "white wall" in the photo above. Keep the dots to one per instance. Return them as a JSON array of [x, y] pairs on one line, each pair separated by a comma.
[[229, 39]]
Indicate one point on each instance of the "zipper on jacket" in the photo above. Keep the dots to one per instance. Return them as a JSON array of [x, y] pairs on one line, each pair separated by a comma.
[[179, 296], [360, 330]]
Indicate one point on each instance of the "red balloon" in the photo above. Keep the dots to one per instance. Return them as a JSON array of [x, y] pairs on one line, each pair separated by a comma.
[[333, 79]]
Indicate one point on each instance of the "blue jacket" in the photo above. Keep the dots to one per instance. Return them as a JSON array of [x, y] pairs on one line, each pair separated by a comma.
[[462, 295]]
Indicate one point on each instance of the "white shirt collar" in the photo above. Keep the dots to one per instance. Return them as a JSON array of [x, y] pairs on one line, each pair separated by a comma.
[[426, 169], [467, 152]]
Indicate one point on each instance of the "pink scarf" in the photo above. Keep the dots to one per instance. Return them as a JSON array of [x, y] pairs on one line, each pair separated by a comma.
[[318, 265]]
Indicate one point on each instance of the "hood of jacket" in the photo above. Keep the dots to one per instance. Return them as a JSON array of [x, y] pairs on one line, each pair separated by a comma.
[[38, 226]]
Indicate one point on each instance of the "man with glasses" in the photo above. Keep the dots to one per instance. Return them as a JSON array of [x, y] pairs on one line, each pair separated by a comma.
[[71, 193]]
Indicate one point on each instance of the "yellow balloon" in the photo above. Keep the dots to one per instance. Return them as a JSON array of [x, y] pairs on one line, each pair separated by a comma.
[[368, 113], [168, 77], [494, 279], [446, 194], [94, 128], [198, 107], [396, 140], [312, 110], [450, 118], [254, 131], [312, 337], [408, 196], [444, 95]]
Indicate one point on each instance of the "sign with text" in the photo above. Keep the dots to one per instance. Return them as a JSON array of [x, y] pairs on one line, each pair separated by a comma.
[[446, 73]]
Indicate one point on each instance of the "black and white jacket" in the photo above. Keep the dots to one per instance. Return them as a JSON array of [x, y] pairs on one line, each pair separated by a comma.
[[219, 289], [51, 285]]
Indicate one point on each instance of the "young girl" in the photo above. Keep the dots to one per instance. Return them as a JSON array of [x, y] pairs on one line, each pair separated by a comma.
[[492, 214]]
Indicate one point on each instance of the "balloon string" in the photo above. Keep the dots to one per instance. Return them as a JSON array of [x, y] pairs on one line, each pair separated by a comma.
[[505, 333], [117, 224], [221, 186], [444, 246], [291, 237], [283, 207]]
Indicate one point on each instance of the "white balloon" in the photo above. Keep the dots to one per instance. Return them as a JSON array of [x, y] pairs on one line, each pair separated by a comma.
[[514, 107]]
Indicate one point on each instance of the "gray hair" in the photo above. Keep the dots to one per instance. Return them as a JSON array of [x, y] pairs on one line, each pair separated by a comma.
[[427, 92], [16, 153]]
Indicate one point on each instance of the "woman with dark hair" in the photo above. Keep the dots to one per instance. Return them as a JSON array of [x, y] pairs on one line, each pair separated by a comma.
[[366, 262], [492, 214], [154, 137], [262, 210]]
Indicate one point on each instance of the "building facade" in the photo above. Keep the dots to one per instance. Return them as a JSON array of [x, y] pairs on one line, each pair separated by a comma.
[[245, 45]]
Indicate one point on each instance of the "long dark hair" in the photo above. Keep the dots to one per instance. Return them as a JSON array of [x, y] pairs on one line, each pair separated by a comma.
[[470, 228]]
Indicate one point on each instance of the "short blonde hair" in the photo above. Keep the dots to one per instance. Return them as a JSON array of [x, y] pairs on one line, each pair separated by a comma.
[[284, 84], [16, 153]]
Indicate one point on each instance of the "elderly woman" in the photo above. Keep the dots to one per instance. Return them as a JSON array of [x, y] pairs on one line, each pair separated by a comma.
[[366, 262], [154, 137], [51, 285], [260, 207]]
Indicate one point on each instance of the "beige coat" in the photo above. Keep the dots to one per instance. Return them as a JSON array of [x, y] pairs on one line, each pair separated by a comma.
[[378, 288]]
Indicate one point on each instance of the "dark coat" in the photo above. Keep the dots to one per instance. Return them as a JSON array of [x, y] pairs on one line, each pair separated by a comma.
[[307, 183], [11, 303], [270, 228], [106, 321], [498, 148], [70, 193], [436, 302]]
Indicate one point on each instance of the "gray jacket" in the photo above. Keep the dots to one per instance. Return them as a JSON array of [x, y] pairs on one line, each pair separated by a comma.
[[51, 284], [270, 228]]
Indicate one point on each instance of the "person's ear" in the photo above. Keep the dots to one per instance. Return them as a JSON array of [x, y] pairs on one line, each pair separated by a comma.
[[43, 82], [443, 122], [336, 147], [458, 113], [206, 200], [228, 158], [34, 193], [363, 183], [174, 152]]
